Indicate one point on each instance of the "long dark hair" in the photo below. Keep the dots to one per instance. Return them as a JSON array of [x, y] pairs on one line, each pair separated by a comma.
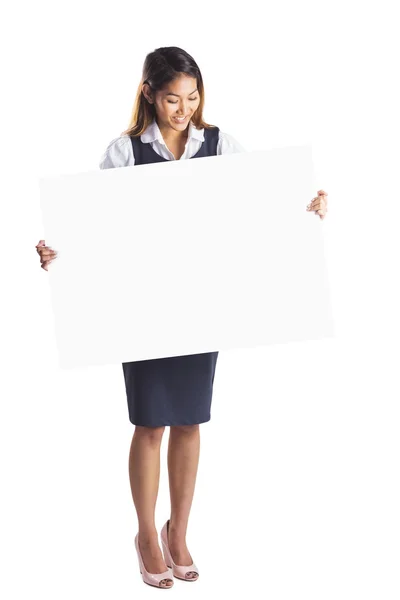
[[160, 67]]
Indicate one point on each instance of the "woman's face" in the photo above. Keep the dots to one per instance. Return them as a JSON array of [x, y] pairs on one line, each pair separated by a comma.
[[179, 98]]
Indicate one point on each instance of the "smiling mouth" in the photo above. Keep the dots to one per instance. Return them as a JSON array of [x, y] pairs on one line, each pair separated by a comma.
[[180, 119]]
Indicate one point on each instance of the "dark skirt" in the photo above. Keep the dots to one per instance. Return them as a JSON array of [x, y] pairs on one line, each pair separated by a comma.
[[170, 391]]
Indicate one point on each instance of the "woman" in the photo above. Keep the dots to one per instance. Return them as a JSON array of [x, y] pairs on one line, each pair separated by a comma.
[[167, 124]]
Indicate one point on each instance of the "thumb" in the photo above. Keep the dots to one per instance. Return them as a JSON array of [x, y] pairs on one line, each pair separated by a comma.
[[41, 243]]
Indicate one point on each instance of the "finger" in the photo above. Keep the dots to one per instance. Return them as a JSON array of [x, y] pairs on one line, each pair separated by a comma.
[[47, 260], [40, 245], [322, 193], [319, 202], [41, 249], [311, 204], [43, 258], [48, 253], [47, 250]]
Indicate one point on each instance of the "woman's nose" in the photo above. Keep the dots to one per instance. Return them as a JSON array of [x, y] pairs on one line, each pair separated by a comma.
[[183, 109]]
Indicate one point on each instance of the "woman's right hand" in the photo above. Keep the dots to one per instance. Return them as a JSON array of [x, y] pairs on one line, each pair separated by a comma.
[[46, 253]]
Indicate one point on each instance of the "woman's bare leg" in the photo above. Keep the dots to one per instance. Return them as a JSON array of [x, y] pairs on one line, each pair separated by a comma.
[[144, 475], [183, 460]]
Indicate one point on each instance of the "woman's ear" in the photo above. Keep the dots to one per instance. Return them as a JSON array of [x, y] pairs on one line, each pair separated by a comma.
[[147, 93]]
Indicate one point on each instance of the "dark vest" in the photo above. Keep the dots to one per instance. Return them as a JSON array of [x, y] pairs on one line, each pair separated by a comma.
[[144, 153]]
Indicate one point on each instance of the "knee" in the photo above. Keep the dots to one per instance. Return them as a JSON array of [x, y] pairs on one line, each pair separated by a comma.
[[185, 430], [152, 435]]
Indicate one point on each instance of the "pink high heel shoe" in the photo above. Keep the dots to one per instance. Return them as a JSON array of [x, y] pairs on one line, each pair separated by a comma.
[[152, 578], [179, 571]]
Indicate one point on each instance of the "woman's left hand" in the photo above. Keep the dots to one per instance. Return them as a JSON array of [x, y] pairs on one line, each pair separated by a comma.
[[319, 204]]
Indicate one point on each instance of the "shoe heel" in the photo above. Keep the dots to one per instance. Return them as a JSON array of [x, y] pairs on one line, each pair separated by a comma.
[[167, 556]]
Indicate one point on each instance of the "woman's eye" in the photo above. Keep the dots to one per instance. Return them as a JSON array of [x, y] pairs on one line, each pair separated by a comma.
[[172, 102]]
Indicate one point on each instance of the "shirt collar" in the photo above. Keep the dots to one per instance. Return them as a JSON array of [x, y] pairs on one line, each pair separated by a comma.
[[153, 133]]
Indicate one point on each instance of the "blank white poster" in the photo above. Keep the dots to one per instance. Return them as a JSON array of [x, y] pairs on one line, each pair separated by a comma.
[[187, 256]]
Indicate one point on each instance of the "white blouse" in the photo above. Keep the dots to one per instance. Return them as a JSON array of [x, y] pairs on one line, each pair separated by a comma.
[[119, 152]]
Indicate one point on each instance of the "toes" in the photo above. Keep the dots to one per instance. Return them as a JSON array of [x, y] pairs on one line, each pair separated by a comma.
[[192, 575], [166, 582]]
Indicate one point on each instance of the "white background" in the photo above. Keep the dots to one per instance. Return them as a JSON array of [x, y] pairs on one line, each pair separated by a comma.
[[298, 488]]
